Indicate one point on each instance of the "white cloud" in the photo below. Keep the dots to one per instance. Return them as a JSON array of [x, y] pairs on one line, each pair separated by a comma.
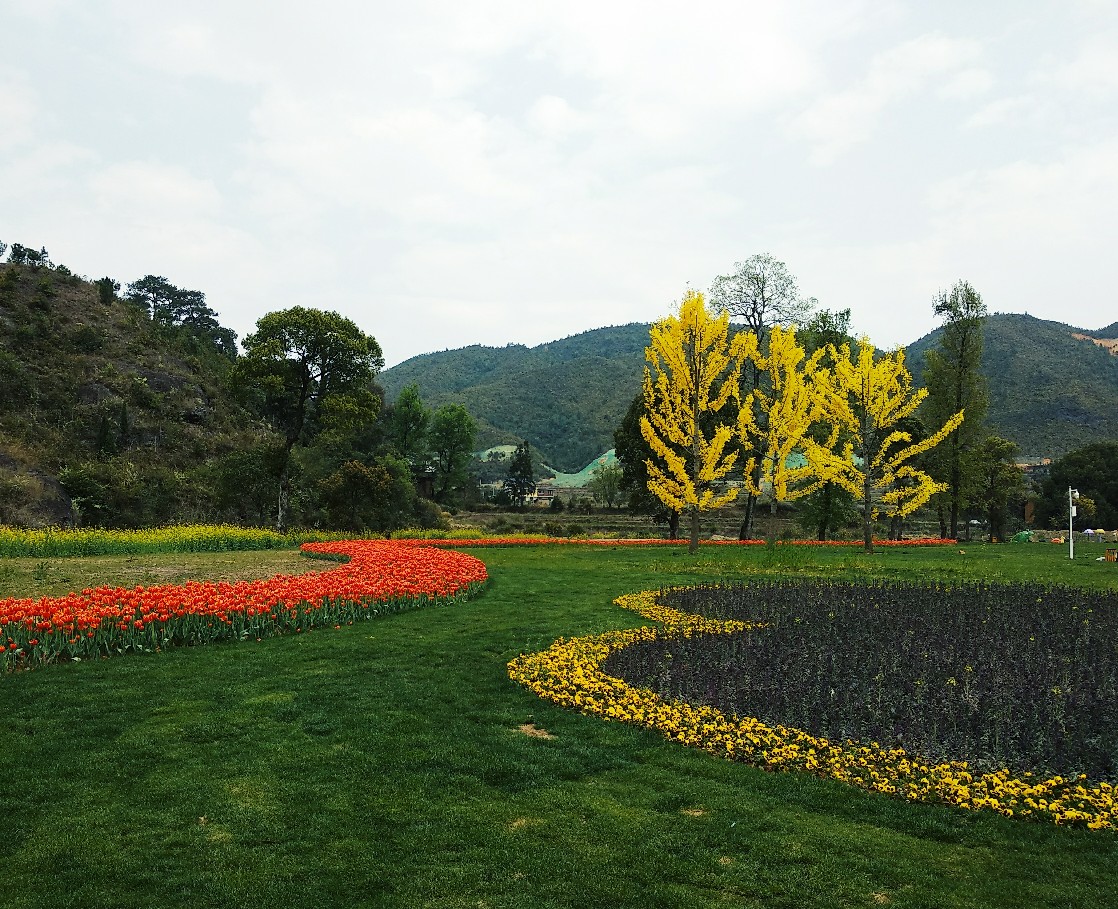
[[149, 193], [493, 171], [838, 121], [18, 106], [1094, 71], [967, 84], [1016, 109]]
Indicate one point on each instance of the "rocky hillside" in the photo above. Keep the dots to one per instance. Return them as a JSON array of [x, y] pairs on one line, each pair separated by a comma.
[[99, 406]]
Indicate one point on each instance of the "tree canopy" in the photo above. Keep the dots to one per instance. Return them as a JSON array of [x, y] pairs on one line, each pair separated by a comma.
[[1093, 470], [451, 439], [312, 372], [867, 399], [954, 380], [521, 480], [693, 373]]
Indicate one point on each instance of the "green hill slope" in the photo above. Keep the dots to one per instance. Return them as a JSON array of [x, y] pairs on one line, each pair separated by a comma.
[[101, 411], [565, 397], [1050, 392]]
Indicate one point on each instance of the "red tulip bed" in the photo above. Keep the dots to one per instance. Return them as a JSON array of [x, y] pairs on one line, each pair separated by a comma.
[[379, 577]]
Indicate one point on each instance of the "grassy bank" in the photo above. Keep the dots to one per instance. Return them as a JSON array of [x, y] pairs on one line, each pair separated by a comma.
[[393, 763]]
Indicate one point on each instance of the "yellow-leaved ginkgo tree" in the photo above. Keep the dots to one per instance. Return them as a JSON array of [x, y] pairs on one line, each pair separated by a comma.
[[866, 398], [693, 372], [775, 417]]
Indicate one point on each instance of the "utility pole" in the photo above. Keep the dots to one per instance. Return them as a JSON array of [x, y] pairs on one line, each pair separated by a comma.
[[1073, 497]]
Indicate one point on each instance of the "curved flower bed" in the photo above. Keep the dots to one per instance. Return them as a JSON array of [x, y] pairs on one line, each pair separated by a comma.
[[378, 577], [569, 673]]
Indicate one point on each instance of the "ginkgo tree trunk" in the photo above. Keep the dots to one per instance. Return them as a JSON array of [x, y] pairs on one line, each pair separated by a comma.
[[693, 372], [866, 398], [776, 416]]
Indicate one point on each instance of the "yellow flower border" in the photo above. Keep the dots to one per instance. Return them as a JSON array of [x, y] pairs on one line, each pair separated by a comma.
[[569, 673]]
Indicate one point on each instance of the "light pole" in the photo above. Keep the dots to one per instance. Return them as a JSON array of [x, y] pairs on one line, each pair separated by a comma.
[[1073, 497]]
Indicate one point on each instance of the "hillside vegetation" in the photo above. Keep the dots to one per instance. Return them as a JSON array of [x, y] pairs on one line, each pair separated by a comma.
[[101, 408], [564, 398], [109, 416], [1049, 391]]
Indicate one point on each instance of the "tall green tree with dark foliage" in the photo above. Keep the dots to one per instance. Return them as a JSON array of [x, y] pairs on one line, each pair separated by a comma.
[[521, 481], [955, 382], [998, 484], [451, 440], [378, 497], [409, 422], [633, 453], [1093, 470], [311, 372]]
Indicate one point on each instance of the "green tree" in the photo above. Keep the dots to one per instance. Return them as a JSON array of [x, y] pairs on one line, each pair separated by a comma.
[[633, 454], [107, 289], [451, 439], [998, 483], [174, 307], [409, 422], [379, 497], [1093, 470], [826, 511], [955, 383], [245, 482], [521, 480], [605, 484], [312, 372]]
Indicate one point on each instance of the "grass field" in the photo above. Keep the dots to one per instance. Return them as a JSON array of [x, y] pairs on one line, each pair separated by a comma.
[[393, 763]]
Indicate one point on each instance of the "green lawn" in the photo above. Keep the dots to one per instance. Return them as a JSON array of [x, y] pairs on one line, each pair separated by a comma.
[[384, 765]]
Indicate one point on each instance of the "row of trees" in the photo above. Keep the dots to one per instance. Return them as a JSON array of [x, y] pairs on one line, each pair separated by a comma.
[[792, 404], [311, 374], [843, 412]]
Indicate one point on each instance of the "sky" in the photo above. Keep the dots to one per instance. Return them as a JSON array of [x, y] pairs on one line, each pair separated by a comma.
[[456, 173]]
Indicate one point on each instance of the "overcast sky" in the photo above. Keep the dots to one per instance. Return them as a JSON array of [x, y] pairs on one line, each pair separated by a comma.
[[452, 173]]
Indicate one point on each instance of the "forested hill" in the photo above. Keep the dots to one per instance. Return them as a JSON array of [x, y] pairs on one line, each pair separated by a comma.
[[1053, 388], [105, 415], [565, 397], [1050, 391]]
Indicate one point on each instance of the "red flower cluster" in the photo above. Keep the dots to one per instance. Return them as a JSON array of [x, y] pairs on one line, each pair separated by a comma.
[[378, 577]]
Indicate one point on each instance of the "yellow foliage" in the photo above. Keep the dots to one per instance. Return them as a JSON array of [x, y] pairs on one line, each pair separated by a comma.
[[694, 372], [865, 398], [788, 406]]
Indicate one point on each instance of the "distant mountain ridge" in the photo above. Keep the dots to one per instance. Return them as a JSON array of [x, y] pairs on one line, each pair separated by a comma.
[[1050, 392], [1053, 388], [565, 398]]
